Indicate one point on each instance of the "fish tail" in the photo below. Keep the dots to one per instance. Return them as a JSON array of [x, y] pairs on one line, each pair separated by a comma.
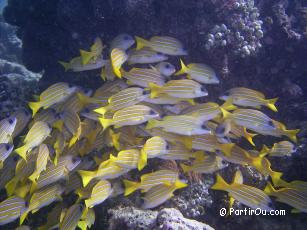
[[238, 178], [292, 134], [199, 155], [226, 148], [34, 176], [86, 176], [179, 184], [140, 43], [23, 217], [103, 73], [269, 189], [191, 101], [152, 123], [34, 106], [73, 140], [220, 183], [115, 140], [281, 183], [86, 56], [228, 105], [117, 71], [225, 113], [249, 136], [66, 65], [22, 151], [183, 69], [154, 90], [87, 203], [143, 160], [84, 99], [105, 122], [58, 125], [130, 186], [82, 224], [264, 151], [33, 187], [11, 186], [101, 110], [187, 141], [185, 168], [276, 177], [270, 103]]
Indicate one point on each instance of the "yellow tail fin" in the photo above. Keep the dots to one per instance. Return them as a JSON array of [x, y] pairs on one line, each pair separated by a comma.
[[249, 136], [34, 106], [23, 217], [183, 69], [238, 178], [220, 183], [275, 176], [105, 123], [66, 65], [84, 99], [226, 114], [292, 134], [185, 168], [130, 186], [140, 43], [152, 123], [142, 160], [58, 125], [264, 151], [226, 148], [34, 176], [103, 73], [228, 105], [82, 224], [179, 184], [22, 151], [86, 56], [11, 186], [269, 189], [115, 140], [101, 110], [270, 103], [154, 90], [86, 176]]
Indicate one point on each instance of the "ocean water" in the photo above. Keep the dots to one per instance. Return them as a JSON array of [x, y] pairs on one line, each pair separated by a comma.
[[259, 45]]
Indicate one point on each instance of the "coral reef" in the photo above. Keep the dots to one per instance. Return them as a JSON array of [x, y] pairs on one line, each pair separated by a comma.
[[167, 218]]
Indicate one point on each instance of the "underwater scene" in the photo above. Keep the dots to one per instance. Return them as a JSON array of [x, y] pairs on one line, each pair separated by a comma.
[[153, 114]]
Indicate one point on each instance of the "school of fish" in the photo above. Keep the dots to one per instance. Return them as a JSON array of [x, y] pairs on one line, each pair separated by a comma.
[[86, 142]]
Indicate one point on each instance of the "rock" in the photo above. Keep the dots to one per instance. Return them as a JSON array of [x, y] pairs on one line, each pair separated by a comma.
[[166, 219]]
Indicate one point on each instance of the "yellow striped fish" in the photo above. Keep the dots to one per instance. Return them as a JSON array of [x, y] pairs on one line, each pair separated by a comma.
[[122, 41], [43, 198], [36, 135], [184, 88], [296, 184], [279, 149], [159, 194], [72, 122], [154, 147], [149, 180], [7, 127], [76, 64], [205, 164], [249, 98], [145, 56], [11, 209], [48, 116], [165, 68], [199, 72], [118, 58], [245, 194], [292, 197], [71, 217], [23, 117], [181, 124], [237, 155], [94, 53], [87, 219], [143, 77], [56, 93], [162, 44], [101, 191], [5, 151], [132, 115], [41, 161], [178, 152], [124, 98], [128, 159]]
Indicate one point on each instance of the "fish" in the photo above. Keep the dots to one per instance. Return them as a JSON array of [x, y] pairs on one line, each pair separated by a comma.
[[131, 115], [154, 147], [23, 117], [71, 217], [118, 58], [205, 164], [122, 41], [76, 64], [101, 191], [11, 209], [8, 171], [180, 124], [250, 196], [207, 142], [145, 56], [124, 98], [41, 161], [150, 180], [237, 155], [7, 127], [95, 52], [165, 68], [5, 151], [49, 116], [162, 44], [292, 197], [159, 194], [53, 217], [54, 94], [296, 184], [164, 99], [87, 219], [72, 122], [199, 72], [184, 88], [178, 152], [279, 149], [249, 98], [129, 159], [43, 198], [36, 135], [143, 77], [107, 73]]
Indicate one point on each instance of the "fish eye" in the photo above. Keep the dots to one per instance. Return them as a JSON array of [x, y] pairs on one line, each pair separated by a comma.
[[81, 206], [270, 204], [159, 53], [152, 112], [70, 85], [227, 93], [146, 92], [220, 129], [11, 121], [224, 162], [26, 112], [15, 158], [204, 126], [7, 147], [271, 123], [26, 203], [203, 89], [76, 159], [167, 147], [7, 115], [167, 66], [126, 37]]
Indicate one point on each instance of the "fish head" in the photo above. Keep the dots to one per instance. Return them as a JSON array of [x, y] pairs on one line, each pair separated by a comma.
[[71, 88], [213, 79], [166, 68], [225, 96], [9, 147], [221, 163], [152, 114], [125, 41], [181, 51], [201, 91]]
